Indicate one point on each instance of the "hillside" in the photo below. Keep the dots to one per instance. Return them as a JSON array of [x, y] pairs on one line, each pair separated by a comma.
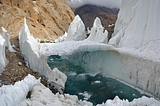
[[88, 13], [46, 19]]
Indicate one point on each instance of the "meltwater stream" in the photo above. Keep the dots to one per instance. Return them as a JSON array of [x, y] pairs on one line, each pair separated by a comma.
[[96, 89]]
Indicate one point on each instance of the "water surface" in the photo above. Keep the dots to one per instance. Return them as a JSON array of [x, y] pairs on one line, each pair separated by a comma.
[[96, 89]]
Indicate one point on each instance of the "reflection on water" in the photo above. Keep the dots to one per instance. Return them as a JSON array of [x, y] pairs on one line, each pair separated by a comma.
[[96, 89]]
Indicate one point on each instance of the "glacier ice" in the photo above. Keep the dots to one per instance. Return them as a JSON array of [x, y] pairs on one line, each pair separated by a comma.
[[70, 47], [61, 39], [15, 95], [137, 34], [136, 57], [7, 39], [140, 25], [76, 31], [11, 95], [97, 33], [4, 42], [3, 60], [43, 96], [144, 101], [30, 51]]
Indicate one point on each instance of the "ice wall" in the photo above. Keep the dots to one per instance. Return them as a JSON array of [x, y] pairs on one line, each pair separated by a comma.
[[70, 47], [7, 40], [97, 33], [76, 31], [130, 68], [30, 51], [3, 60], [138, 24]]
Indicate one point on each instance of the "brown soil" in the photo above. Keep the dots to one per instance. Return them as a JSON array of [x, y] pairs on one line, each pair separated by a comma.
[[14, 72]]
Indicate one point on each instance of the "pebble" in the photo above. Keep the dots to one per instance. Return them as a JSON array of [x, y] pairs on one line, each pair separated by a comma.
[[19, 63]]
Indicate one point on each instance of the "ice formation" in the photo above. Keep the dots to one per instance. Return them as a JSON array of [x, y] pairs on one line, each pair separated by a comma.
[[134, 63], [11, 95], [4, 42], [3, 60], [144, 101], [137, 34], [43, 96], [141, 25], [136, 59], [7, 40], [76, 31], [61, 39], [88, 31], [15, 95], [30, 51], [70, 47], [97, 33]]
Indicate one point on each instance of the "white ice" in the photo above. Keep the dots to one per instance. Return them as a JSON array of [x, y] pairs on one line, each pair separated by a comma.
[[7, 39], [3, 60], [61, 39], [132, 54], [11, 95], [144, 101], [15, 95], [86, 95], [76, 31], [140, 27], [42, 96], [97, 33], [30, 51], [4, 42], [136, 56], [70, 47]]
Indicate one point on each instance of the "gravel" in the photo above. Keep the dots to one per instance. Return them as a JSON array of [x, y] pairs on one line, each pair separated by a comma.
[[16, 69]]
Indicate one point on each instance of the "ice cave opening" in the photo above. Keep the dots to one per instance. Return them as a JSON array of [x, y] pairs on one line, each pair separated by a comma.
[[89, 86]]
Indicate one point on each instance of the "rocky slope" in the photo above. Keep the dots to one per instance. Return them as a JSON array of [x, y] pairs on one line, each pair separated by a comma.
[[46, 19], [88, 13]]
